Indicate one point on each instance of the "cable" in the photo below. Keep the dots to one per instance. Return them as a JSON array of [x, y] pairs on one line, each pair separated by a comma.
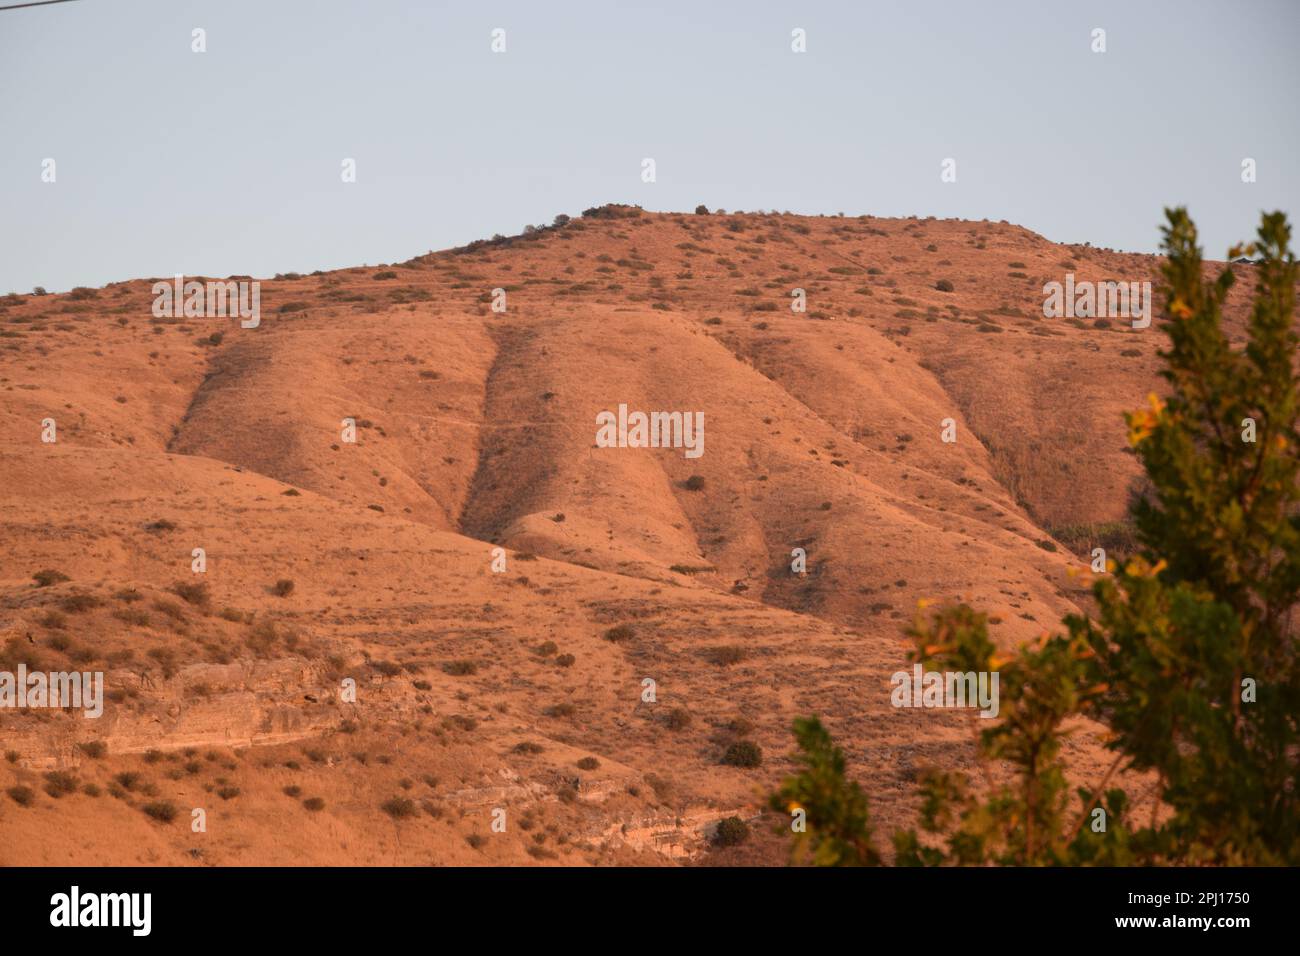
[[38, 3]]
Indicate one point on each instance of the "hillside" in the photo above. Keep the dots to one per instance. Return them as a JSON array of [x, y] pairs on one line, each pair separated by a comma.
[[476, 429]]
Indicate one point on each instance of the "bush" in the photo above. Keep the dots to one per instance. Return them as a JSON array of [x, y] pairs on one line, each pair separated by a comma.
[[694, 483], [701, 210], [588, 763], [164, 811], [623, 632], [943, 285], [743, 753], [314, 804], [282, 588], [128, 780], [23, 796], [48, 577], [731, 831], [399, 808], [723, 656], [195, 592], [77, 603], [679, 718], [59, 782]]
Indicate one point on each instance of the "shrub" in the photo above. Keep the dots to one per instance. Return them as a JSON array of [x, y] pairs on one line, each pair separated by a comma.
[[743, 753], [23, 796], [943, 285], [460, 668], [94, 749], [132, 616], [588, 763], [60, 782], [731, 831], [622, 632], [77, 603], [164, 811], [48, 577], [192, 592], [282, 588], [701, 210], [694, 483], [314, 804], [399, 808], [679, 718], [723, 656], [128, 780]]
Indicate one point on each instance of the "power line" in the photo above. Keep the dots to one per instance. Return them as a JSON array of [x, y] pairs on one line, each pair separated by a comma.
[[38, 3]]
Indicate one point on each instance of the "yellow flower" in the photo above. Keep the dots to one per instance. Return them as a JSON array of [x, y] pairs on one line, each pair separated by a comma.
[[1142, 423]]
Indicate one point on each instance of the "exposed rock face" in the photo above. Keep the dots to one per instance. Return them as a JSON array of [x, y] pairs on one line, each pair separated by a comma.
[[241, 704]]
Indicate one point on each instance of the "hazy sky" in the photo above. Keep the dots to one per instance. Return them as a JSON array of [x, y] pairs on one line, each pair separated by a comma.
[[228, 161]]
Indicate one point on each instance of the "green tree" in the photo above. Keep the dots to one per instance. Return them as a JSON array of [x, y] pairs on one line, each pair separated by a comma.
[[837, 823], [1191, 659]]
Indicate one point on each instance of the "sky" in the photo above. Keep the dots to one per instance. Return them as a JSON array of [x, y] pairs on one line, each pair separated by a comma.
[[230, 161]]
